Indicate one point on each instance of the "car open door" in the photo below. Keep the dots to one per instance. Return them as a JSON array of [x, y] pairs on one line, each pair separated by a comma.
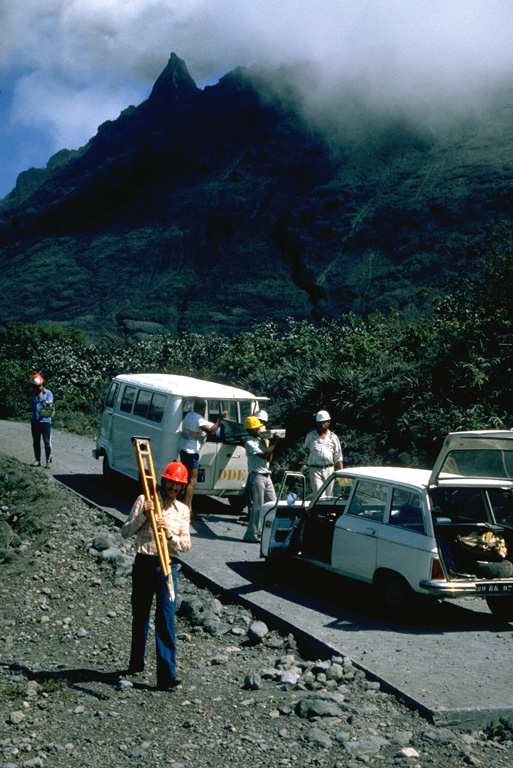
[[282, 519], [479, 455]]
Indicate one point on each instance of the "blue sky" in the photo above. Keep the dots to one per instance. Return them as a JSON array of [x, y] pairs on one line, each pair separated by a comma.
[[66, 66]]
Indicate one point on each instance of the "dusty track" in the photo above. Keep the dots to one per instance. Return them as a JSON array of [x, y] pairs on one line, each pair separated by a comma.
[[455, 663]]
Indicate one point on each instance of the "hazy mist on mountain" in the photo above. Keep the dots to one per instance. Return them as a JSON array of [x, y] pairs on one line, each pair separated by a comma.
[[283, 190]]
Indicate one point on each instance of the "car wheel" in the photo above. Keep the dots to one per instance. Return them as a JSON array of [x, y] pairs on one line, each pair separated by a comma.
[[487, 570], [274, 568], [395, 594], [501, 607]]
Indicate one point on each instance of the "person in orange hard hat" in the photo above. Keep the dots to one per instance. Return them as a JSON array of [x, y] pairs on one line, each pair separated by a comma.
[[148, 579], [260, 484], [41, 403]]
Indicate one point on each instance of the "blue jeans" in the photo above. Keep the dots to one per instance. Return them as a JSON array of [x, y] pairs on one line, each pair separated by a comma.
[[147, 581]]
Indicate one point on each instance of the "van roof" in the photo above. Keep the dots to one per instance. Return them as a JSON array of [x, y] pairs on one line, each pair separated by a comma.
[[187, 386]]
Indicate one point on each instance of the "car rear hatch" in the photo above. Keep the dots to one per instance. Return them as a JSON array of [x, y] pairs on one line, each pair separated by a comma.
[[475, 457], [470, 469]]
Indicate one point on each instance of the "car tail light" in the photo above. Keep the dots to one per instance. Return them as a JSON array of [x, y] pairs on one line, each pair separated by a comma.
[[436, 570]]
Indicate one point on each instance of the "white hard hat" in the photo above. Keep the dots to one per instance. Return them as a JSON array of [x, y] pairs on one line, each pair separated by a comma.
[[262, 415], [322, 416]]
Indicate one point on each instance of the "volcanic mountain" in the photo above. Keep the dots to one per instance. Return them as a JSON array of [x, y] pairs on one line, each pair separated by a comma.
[[211, 209]]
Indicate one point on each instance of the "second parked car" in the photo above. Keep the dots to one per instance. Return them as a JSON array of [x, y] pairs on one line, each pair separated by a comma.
[[445, 533]]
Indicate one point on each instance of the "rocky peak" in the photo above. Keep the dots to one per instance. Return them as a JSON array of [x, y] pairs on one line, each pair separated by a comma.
[[172, 84]]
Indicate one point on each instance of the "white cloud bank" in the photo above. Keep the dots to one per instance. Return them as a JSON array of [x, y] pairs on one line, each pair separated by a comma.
[[75, 63]]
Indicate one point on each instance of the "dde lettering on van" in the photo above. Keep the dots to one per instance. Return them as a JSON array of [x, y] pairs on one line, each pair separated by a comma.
[[232, 474]]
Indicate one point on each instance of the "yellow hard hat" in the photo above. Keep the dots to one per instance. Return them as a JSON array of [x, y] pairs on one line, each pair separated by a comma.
[[252, 422]]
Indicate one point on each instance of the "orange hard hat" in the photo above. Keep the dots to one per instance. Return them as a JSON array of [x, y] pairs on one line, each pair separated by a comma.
[[177, 472]]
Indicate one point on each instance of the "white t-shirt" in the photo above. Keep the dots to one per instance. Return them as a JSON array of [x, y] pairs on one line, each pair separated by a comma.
[[193, 436]]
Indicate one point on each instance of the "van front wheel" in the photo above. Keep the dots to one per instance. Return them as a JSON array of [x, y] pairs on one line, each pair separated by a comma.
[[237, 504], [108, 473]]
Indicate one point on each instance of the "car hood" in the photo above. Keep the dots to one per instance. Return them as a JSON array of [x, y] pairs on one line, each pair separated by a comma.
[[485, 455]]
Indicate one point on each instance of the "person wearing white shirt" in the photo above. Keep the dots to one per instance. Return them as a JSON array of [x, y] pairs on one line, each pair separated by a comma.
[[322, 450]]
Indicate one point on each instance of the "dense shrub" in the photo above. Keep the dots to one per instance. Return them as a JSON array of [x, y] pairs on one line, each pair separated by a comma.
[[394, 387]]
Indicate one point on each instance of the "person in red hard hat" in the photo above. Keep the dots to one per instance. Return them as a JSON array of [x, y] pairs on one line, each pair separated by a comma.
[[148, 579], [41, 403]]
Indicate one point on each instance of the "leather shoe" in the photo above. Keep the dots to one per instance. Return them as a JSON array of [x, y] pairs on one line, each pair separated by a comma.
[[171, 684], [134, 671]]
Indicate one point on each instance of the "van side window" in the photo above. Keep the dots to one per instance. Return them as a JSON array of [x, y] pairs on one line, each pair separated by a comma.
[[128, 399], [142, 403], [230, 425], [112, 394], [247, 408], [156, 409], [150, 406]]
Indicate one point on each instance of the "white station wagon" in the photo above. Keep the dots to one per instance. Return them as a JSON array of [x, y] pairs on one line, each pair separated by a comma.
[[444, 533]]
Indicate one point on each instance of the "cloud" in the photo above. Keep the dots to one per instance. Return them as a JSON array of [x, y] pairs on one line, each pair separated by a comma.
[[80, 62]]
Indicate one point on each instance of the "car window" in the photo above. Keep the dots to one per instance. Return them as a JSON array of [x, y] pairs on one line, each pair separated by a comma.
[[479, 463], [501, 502], [460, 505], [128, 399], [339, 488], [369, 500], [406, 510]]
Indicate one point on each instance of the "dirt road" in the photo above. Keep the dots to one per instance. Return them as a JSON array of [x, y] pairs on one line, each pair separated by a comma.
[[456, 662]]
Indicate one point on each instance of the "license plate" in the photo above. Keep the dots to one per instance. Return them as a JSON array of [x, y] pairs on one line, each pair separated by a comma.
[[494, 589]]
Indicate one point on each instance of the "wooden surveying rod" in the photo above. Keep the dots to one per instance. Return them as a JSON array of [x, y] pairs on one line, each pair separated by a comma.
[[149, 483]]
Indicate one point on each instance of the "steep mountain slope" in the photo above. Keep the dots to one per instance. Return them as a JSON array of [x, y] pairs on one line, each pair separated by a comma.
[[209, 209]]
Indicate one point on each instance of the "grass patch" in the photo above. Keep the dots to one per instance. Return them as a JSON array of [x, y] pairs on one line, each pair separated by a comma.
[[501, 731], [15, 691], [29, 500]]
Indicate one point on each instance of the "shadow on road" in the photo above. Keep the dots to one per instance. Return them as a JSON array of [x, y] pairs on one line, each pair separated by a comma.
[[119, 495], [353, 606]]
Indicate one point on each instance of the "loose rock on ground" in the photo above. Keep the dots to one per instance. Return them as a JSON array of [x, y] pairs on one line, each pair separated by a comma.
[[248, 697]]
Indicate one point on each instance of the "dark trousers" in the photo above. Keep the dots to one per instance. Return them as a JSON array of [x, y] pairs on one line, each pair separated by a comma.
[[42, 429], [147, 581]]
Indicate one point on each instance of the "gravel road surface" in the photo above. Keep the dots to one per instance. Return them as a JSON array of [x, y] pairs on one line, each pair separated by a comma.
[[454, 663]]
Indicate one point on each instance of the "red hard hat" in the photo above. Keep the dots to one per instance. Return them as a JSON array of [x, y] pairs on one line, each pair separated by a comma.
[[37, 379], [177, 472]]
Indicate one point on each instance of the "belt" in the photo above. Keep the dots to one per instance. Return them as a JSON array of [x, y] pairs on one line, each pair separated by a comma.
[[320, 466], [148, 558]]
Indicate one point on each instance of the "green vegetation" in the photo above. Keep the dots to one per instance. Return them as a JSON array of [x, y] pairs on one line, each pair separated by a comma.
[[15, 692], [394, 386], [501, 731], [27, 507]]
